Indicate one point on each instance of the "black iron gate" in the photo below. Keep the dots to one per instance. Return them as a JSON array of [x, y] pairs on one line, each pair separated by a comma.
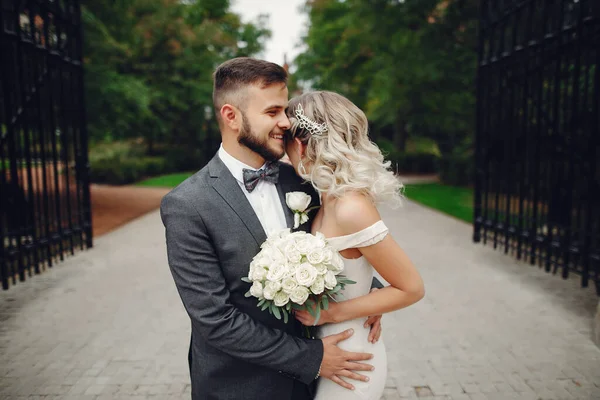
[[537, 183], [44, 185]]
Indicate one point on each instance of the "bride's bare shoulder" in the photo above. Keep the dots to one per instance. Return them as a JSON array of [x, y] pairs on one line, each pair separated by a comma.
[[354, 212]]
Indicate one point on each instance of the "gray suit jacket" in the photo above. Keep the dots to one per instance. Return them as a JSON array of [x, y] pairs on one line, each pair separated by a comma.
[[236, 350]]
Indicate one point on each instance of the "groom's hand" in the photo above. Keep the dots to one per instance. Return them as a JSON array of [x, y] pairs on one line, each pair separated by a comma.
[[338, 363]]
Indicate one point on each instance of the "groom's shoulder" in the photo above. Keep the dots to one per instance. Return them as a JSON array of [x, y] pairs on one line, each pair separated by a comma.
[[191, 188], [287, 173]]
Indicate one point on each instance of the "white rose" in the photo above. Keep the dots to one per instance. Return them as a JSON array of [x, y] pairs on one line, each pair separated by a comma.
[[281, 299], [291, 270], [337, 263], [315, 256], [297, 201], [274, 286], [283, 245], [298, 235], [319, 286], [303, 246], [266, 254], [263, 262], [319, 240], [268, 292], [288, 285], [330, 280], [327, 255], [306, 274], [289, 247], [258, 274], [256, 290], [276, 271], [251, 269], [299, 295], [284, 233], [321, 269], [294, 256]]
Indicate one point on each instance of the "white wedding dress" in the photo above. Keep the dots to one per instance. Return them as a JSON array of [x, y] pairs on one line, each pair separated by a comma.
[[360, 271]]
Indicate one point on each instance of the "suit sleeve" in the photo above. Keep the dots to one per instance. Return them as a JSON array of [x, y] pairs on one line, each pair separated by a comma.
[[200, 282], [376, 284]]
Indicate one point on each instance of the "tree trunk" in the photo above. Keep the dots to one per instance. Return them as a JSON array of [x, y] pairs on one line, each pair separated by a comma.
[[400, 134]]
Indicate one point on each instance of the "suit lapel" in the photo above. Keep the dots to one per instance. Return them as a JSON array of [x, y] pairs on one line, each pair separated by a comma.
[[282, 189], [287, 184], [229, 189]]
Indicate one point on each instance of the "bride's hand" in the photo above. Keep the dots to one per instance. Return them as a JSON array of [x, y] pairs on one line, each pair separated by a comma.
[[308, 320], [374, 322]]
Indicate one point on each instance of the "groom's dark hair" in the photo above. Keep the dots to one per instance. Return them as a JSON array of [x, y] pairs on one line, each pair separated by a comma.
[[233, 76]]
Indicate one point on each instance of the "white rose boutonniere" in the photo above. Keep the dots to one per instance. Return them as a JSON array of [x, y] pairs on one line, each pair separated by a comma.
[[298, 202]]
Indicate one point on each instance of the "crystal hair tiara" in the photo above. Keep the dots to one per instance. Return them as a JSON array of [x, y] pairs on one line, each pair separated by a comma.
[[311, 126]]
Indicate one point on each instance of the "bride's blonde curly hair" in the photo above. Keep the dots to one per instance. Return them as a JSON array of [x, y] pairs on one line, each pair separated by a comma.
[[343, 158]]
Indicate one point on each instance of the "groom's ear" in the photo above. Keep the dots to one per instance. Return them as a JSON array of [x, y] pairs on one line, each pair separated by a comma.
[[229, 117]]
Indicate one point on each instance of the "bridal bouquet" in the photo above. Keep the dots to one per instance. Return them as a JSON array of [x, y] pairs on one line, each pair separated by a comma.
[[296, 271]]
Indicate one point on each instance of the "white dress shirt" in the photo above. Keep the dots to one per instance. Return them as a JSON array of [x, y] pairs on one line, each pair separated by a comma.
[[264, 199]]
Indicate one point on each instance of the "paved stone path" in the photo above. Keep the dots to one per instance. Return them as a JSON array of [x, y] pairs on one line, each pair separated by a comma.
[[108, 323]]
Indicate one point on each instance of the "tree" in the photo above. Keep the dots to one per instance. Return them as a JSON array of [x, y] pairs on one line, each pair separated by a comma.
[[149, 65], [409, 65]]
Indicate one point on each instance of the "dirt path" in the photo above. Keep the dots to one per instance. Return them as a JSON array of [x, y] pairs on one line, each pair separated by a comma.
[[114, 206]]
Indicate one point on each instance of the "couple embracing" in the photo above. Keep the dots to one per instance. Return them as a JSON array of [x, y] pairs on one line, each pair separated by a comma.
[[217, 220]]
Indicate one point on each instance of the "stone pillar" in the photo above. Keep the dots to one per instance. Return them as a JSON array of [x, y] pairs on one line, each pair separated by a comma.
[[597, 326]]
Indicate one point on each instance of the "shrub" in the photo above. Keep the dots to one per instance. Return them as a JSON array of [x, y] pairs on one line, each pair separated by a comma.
[[457, 168], [121, 163]]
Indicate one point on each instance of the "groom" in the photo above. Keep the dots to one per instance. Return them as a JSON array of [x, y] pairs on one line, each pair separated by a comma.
[[215, 223]]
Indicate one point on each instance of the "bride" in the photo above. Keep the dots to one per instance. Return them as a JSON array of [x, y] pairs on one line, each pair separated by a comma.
[[328, 146]]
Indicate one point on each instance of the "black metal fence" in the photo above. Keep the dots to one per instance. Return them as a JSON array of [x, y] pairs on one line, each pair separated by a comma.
[[537, 183], [44, 185]]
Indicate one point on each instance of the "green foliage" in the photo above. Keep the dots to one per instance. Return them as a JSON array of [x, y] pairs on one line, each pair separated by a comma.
[[148, 70], [457, 169], [409, 64], [421, 156], [123, 162]]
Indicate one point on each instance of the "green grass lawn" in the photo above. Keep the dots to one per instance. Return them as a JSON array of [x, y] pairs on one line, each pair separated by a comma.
[[456, 201], [166, 181]]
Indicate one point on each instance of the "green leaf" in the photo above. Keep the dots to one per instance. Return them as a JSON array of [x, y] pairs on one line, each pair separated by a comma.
[[276, 311], [345, 281], [246, 280], [260, 303], [265, 306], [248, 294], [325, 302], [285, 316]]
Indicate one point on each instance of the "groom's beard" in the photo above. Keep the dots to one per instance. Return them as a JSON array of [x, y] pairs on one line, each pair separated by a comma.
[[261, 147]]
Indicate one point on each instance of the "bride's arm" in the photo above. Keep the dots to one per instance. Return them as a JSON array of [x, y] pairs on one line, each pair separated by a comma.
[[354, 214], [389, 260]]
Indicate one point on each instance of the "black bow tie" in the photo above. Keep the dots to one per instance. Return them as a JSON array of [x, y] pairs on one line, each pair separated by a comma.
[[269, 174]]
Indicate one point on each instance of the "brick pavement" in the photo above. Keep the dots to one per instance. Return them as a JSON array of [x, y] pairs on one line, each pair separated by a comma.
[[108, 323]]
